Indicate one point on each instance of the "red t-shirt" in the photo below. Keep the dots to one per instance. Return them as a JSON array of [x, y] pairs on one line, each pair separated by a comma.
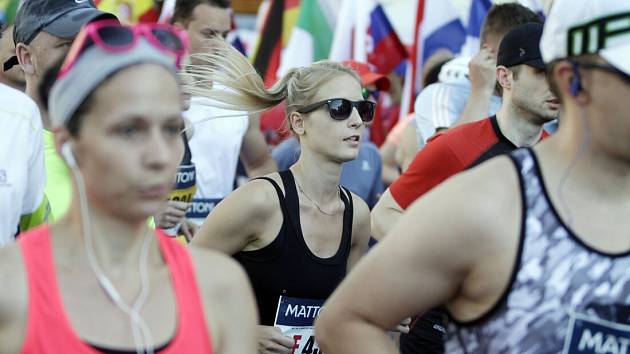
[[449, 153]]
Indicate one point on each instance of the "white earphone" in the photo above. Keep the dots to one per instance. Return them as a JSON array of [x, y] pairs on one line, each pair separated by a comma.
[[68, 154], [141, 332]]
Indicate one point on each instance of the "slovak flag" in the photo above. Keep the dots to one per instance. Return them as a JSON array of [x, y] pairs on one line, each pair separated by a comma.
[[437, 26], [364, 33], [386, 51], [478, 11]]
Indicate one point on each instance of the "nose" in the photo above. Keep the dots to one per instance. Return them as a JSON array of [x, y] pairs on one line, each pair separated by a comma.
[[355, 120]]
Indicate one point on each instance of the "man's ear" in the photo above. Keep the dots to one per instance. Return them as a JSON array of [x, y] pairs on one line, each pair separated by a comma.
[[564, 75], [503, 77], [297, 123], [25, 57]]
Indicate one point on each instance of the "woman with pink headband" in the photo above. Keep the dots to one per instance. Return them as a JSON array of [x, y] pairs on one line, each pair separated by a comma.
[[100, 280]]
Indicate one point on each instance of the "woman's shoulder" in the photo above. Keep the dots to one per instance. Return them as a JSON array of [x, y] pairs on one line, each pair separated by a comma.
[[217, 274], [14, 295], [259, 193], [360, 214]]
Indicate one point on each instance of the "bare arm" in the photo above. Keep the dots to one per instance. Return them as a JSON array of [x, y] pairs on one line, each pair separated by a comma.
[[13, 300], [388, 157], [482, 74], [426, 261], [360, 231], [230, 307], [239, 219], [408, 147], [254, 152], [385, 215]]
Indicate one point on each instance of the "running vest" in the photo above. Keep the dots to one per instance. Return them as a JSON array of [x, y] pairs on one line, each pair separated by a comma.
[[287, 267], [48, 329], [564, 296]]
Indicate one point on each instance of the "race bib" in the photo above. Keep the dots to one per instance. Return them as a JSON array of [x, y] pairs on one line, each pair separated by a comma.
[[185, 184], [296, 318], [200, 208], [594, 336]]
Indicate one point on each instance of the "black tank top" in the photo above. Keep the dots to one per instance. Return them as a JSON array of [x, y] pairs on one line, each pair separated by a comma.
[[287, 266]]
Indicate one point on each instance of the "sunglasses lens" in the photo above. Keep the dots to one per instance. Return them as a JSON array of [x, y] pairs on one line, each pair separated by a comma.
[[168, 39], [115, 36], [340, 109], [366, 110]]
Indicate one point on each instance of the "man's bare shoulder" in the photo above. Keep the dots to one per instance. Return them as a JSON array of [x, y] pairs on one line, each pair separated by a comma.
[[476, 202]]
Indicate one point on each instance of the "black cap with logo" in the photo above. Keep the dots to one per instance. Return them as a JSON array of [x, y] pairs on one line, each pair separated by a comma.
[[61, 18], [522, 46]]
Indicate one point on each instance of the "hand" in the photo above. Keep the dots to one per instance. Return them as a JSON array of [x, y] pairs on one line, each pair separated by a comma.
[[482, 70], [403, 327], [172, 213], [188, 229], [272, 341]]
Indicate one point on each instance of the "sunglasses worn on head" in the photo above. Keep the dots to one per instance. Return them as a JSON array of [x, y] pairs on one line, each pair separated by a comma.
[[341, 108], [111, 36]]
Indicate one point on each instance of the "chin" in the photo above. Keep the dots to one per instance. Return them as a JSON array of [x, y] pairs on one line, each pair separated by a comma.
[[139, 211], [348, 156]]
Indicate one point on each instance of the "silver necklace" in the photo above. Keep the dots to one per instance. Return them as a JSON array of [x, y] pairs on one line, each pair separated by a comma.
[[315, 203]]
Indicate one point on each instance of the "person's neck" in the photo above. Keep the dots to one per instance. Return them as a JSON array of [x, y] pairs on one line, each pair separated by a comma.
[[517, 126], [319, 178], [117, 242], [31, 91], [605, 172]]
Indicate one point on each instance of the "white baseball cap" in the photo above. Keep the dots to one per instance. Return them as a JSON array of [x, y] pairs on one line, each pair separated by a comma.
[[455, 71], [577, 27]]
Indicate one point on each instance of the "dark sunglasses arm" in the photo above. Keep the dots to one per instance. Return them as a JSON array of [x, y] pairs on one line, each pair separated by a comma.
[[311, 107], [609, 69]]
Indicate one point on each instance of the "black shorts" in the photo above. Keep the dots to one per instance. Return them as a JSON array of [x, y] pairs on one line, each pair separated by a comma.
[[426, 333]]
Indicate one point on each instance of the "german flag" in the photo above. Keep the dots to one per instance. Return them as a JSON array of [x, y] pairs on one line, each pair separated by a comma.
[[131, 11], [279, 21]]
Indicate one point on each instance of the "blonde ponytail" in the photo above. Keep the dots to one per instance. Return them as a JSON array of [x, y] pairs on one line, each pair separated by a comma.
[[226, 77]]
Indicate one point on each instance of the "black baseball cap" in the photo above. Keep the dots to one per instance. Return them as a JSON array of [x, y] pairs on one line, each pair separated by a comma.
[[522, 46], [61, 18]]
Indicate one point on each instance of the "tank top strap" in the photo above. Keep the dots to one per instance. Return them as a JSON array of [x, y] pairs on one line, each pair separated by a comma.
[[348, 214], [532, 187], [46, 324], [192, 329], [292, 201], [281, 197]]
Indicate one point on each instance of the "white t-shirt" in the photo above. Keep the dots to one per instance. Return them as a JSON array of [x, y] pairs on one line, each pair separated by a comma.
[[215, 147], [22, 169], [441, 104]]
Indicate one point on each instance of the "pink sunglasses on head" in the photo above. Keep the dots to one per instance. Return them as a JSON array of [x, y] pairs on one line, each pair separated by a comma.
[[111, 36]]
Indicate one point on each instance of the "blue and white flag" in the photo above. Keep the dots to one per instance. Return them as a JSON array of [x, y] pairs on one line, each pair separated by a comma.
[[437, 27]]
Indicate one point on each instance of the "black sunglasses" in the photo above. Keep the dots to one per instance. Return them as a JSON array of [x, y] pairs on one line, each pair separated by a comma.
[[341, 108]]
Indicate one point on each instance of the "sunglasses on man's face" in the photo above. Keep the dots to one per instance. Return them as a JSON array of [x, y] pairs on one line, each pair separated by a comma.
[[341, 108]]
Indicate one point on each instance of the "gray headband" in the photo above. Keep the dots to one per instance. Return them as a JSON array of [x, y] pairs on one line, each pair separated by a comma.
[[93, 67]]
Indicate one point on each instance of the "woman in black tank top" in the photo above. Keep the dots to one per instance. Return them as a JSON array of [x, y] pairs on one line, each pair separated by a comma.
[[297, 232]]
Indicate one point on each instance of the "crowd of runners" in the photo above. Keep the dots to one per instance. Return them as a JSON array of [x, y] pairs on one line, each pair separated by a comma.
[[492, 220]]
